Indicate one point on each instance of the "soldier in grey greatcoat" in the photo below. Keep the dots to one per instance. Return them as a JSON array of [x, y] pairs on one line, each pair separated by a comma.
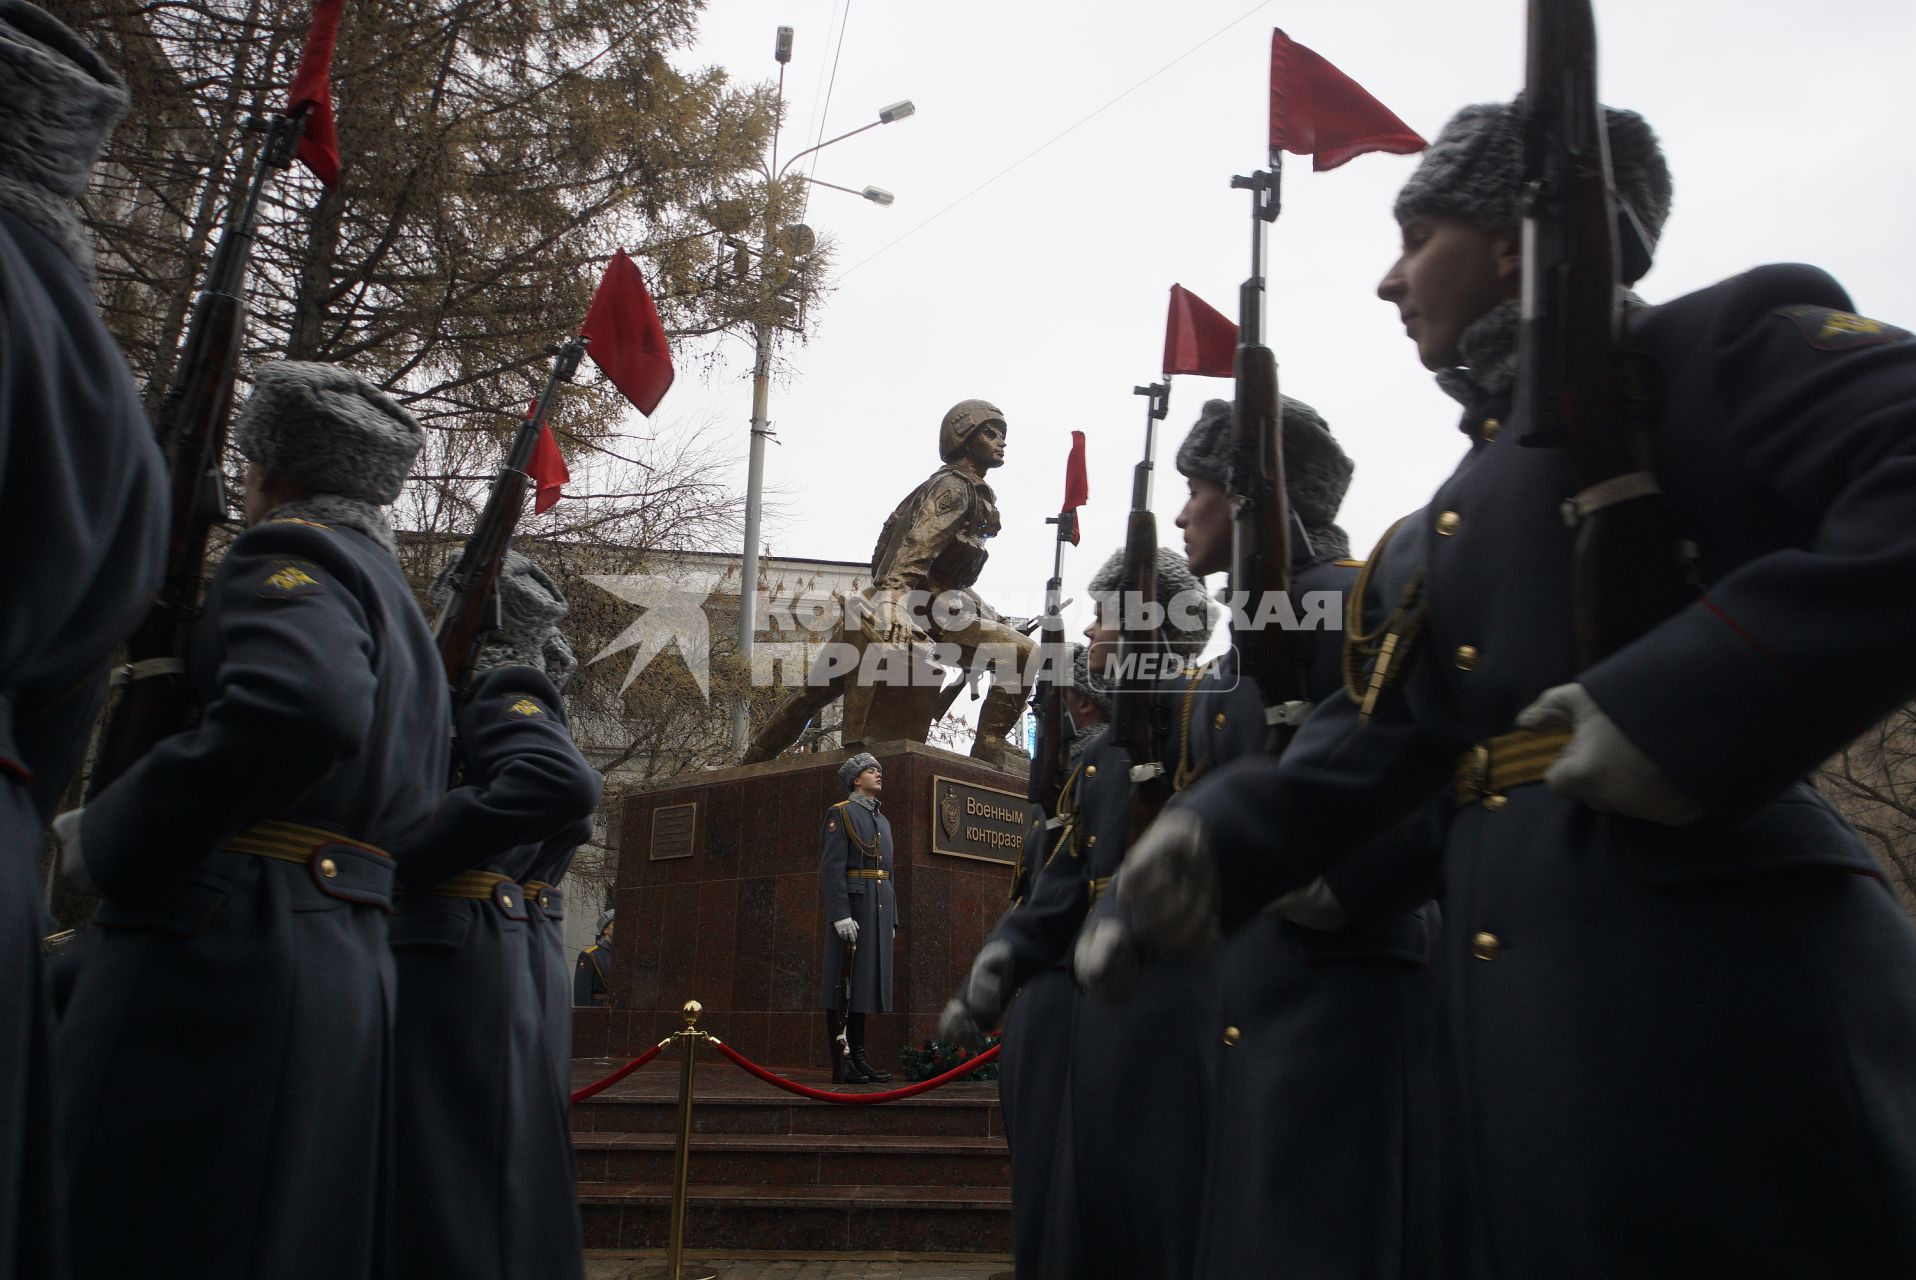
[[1679, 1031], [1108, 1213], [231, 1027], [855, 883], [83, 530], [1322, 1015], [486, 1183]]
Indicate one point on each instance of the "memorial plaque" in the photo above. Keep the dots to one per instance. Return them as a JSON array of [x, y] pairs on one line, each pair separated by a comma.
[[973, 821], [674, 828]]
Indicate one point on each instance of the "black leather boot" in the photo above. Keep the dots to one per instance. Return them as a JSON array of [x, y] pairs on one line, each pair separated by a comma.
[[855, 1032], [835, 1050]]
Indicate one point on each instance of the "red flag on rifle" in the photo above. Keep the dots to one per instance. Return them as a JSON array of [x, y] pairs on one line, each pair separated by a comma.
[[547, 467], [1077, 486], [1318, 111], [313, 83], [627, 340], [1196, 338]]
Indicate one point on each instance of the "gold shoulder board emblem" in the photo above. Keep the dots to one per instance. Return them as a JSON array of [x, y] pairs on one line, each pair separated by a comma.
[[1830, 330], [288, 580], [310, 524], [526, 707]]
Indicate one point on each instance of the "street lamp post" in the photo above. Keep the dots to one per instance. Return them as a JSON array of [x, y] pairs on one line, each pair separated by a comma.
[[762, 339]]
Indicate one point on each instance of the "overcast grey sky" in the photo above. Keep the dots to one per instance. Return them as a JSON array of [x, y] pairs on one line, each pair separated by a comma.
[[1786, 125]]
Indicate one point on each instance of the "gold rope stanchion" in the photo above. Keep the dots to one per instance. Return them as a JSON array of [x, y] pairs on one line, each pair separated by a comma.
[[682, 1162]]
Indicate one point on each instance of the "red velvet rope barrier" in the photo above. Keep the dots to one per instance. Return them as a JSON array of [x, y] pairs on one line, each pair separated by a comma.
[[600, 1086], [822, 1095]]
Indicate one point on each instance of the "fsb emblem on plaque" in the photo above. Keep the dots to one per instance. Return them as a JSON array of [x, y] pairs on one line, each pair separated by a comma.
[[972, 821]]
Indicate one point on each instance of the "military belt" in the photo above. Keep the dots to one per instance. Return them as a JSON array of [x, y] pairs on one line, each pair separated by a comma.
[[1495, 765], [549, 898], [482, 886], [341, 866], [1097, 888], [860, 873]]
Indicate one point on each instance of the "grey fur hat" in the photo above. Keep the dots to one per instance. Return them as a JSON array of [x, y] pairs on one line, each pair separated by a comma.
[[1189, 612], [1086, 684], [1317, 471], [327, 429], [58, 103], [849, 771], [1474, 169], [531, 608], [605, 918]]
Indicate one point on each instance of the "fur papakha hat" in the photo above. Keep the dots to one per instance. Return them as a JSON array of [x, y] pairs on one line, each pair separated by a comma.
[[328, 430], [1474, 170], [849, 771], [58, 103], [1317, 471], [1189, 614], [531, 607], [1084, 683]]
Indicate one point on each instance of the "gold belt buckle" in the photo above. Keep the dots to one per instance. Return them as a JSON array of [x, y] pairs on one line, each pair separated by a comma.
[[1477, 772]]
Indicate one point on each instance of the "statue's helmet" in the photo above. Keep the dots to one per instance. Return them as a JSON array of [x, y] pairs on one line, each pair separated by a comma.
[[965, 417]]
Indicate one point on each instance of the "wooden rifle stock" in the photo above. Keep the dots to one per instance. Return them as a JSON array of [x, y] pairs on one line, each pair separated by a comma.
[[192, 423], [1139, 658], [1625, 565], [1260, 502], [471, 609]]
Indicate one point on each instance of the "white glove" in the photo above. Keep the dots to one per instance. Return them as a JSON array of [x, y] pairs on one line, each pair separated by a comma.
[[1602, 768], [1105, 962], [1314, 906], [847, 929], [1170, 884], [987, 989], [66, 831], [958, 1026]]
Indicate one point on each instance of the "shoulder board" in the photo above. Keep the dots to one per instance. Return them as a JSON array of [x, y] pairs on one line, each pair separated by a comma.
[[1349, 564], [311, 524], [1828, 329]]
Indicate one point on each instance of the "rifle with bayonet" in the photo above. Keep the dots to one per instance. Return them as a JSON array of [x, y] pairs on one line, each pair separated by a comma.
[[1261, 543], [1579, 246], [191, 422], [847, 957], [1141, 647], [1052, 760], [472, 607]]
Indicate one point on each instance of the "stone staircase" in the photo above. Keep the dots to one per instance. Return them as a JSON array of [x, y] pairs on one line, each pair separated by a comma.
[[770, 1170]]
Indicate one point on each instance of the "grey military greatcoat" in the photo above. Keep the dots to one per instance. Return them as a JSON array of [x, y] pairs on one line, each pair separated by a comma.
[[854, 880], [1666, 1050]]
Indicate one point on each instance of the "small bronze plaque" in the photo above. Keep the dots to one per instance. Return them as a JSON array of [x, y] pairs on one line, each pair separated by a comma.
[[674, 830], [973, 821]]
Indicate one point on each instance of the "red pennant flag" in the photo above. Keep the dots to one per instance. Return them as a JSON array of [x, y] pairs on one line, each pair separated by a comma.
[[1077, 485], [627, 341], [547, 467], [1318, 111], [1197, 339], [313, 82]]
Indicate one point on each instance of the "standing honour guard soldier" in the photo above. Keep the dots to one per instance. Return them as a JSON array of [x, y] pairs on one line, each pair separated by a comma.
[[854, 879], [1325, 997], [1035, 1060], [1110, 1213], [486, 1184], [1680, 1031], [232, 1023], [83, 524], [932, 547], [594, 966]]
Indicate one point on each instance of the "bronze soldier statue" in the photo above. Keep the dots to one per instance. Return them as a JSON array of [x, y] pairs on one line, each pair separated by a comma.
[[929, 555]]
